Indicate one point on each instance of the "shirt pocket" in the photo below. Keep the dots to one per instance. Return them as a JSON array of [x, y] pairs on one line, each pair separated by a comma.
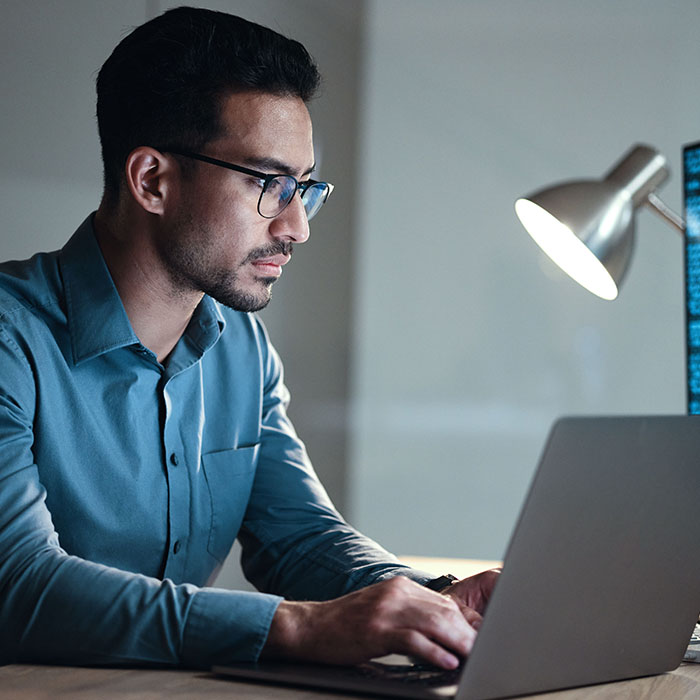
[[229, 476]]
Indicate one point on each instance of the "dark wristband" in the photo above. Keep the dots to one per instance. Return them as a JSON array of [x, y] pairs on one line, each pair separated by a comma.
[[442, 582]]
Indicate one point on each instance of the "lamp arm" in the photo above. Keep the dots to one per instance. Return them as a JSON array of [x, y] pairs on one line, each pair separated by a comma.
[[666, 213]]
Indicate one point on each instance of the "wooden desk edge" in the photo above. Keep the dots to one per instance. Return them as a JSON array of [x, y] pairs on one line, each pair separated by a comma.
[[30, 682], [461, 568]]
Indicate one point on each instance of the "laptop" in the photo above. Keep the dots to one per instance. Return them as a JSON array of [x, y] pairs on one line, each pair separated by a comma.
[[601, 579]]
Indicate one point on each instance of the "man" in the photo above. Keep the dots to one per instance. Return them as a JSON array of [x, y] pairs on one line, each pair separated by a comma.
[[143, 416]]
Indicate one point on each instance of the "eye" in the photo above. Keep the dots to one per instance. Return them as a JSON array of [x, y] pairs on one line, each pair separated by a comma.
[[275, 186]]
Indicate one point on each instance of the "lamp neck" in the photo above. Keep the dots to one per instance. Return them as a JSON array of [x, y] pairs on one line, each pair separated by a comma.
[[641, 170], [666, 213]]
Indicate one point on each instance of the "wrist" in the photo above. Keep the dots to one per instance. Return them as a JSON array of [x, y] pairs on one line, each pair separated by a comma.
[[282, 631], [288, 628]]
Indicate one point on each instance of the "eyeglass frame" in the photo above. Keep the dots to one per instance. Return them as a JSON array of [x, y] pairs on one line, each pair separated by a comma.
[[267, 178]]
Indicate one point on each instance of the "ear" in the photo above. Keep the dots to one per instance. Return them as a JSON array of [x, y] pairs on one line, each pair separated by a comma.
[[149, 177]]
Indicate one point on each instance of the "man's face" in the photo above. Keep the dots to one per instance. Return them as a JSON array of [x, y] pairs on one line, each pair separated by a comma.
[[214, 240]]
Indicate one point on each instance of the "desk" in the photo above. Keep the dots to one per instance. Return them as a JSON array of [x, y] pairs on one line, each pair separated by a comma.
[[25, 682]]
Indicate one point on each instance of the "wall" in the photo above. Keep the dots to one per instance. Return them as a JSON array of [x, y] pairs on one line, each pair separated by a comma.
[[468, 342]]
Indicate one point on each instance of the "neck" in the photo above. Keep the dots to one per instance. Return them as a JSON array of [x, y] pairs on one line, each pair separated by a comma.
[[158, 310]]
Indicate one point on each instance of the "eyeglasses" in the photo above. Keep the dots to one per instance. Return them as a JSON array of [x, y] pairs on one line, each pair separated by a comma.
[[277, 190]]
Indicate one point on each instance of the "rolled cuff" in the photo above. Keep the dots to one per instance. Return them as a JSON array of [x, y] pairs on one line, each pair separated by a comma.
[[226, 626]]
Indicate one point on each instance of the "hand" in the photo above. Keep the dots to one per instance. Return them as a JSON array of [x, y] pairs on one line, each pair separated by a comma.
[[394, 616], [472, 594]]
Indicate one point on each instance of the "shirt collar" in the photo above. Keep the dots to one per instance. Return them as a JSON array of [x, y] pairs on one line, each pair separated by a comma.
[[203, 331], [207, 323], [96, 316]]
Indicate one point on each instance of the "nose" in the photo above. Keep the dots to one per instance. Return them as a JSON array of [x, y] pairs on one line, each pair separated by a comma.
[[292, 223]]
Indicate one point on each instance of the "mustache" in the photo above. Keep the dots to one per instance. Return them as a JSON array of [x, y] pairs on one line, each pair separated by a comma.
[[279, 248]]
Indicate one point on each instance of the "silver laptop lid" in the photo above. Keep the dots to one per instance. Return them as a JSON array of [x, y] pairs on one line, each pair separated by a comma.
[[602, 575]]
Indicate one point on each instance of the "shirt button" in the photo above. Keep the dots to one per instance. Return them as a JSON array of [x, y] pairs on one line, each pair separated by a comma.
[[174, 460], [176, 547]]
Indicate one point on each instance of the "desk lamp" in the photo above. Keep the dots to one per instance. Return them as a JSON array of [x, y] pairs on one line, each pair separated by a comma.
[[587, 226]]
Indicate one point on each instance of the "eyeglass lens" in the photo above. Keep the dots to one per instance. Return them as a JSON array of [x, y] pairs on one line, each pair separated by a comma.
[[280, 190]]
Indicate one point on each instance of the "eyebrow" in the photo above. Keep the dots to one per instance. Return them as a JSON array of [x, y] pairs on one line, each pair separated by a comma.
[[274, 166]]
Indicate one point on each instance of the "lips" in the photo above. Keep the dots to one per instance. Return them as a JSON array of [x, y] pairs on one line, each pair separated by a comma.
[[272, 265]]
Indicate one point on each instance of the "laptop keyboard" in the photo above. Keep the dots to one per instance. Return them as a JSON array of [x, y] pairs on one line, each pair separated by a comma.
[[693, 652]]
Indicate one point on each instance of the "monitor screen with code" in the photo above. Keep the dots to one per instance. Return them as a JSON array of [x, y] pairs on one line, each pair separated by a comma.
[[691, 191]]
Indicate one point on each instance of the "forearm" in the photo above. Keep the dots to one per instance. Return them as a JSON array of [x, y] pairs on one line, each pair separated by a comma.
[[63, 609], [317, 562], [295, 543]]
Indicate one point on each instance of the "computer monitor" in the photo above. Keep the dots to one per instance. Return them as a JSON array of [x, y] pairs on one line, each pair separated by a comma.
[[691, 192]]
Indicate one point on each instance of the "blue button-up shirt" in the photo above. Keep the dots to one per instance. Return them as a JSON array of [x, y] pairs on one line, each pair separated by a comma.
[[124, 482]]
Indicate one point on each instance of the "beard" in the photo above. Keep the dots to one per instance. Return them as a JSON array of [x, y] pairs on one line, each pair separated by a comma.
[[195, 267]]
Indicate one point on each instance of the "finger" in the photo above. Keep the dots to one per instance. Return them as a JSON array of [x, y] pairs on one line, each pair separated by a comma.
[[446, 625], [413, 643], [475, 591], [437, 618], [473, 618]]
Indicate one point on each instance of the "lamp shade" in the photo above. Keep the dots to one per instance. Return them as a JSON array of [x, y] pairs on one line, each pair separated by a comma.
[[587, 226]]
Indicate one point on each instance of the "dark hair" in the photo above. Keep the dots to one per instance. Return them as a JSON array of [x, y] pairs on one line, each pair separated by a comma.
[[163, 84]]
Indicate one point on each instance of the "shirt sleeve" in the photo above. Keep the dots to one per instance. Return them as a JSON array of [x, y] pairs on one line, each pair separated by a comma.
[[295, 543], [58, 608]]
